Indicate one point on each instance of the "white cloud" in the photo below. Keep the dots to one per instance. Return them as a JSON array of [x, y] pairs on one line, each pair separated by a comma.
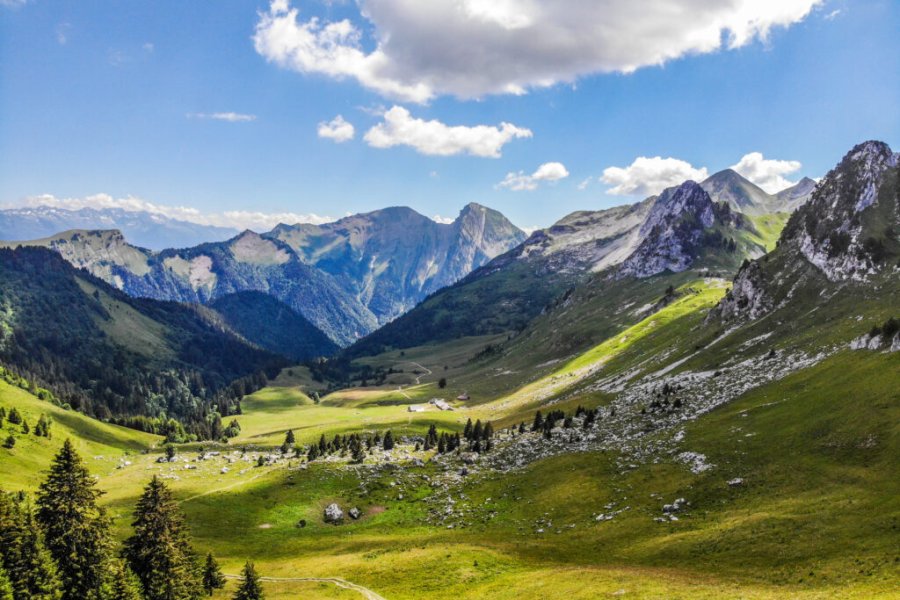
[[437, 139], [767, 174], [231, 117], [13, 3], [648, 176], [832, 15], [518, 182], [337, 130], [442, 220], [469, 48], [148, 47], [584, 184], [258, 221]]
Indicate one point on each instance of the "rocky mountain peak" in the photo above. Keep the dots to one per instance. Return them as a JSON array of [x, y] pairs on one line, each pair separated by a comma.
[[831, 230], [675, 230]]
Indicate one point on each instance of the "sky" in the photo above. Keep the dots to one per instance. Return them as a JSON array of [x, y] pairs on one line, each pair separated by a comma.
[[247, 113]]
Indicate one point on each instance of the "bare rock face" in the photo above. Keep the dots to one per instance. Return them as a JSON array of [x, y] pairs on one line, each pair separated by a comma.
[[334, 514], [748, 297], [829, 230], [674, 231]]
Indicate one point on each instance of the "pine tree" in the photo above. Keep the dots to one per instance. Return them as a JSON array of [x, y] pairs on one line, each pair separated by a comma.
[[6, 590], [25, 428], [212, 575], [323, 445], [467, 430], [14, 416], [76, 528], [538, 421], [289, 438], [388, 443], [10, 442], [251, 587], [28, 565], [124, 584], [160, 552]]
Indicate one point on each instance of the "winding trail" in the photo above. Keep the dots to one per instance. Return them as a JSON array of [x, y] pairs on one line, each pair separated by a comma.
[[418, 377], [342, 583]]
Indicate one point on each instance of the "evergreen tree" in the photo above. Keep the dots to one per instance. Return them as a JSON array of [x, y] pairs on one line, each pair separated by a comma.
[[313, 453], [323, 445], [388, 443], [212, 575], [28, 566], [289, 438], [10, 442], [14, 416], [160, 552], [467, 430], [25, 428], [6, 590], [170, 452], [125, 584], [251, 587], [75, 527], [538, 421]]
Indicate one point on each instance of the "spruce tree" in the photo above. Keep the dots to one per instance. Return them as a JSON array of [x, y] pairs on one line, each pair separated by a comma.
[[6, 590], [27, 562], [125, 584], [160, 552], [538, 421], [251, 587], [289, 438], [212, 575], [76, 529], [388, 443]]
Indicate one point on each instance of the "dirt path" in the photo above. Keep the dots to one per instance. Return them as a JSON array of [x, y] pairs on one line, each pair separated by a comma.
[[342, 583], [418, 377], [223, 488]]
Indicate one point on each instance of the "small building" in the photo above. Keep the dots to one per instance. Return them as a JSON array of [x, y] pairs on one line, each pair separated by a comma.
[[415, 408]]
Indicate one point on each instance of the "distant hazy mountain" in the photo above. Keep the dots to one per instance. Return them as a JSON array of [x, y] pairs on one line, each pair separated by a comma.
[[144, 229], [347, 277], [744, 196]]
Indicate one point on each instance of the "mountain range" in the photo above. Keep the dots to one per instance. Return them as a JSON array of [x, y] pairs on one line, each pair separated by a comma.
[[142, 228], [347, 277]]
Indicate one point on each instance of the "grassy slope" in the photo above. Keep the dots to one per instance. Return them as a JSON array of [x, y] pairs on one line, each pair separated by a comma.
[[101, 444]]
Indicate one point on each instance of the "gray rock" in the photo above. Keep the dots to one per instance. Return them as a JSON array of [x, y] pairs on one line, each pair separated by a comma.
[[334, 514], [354, 513]]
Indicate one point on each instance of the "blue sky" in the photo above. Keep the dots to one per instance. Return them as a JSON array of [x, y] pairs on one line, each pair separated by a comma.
[[216, 107]]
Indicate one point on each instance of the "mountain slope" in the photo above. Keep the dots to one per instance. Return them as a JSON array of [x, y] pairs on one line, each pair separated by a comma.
[[392, 258], [679, 229], [744, 196], [272, 325], [845, 237], [148, 230], [112, 356]]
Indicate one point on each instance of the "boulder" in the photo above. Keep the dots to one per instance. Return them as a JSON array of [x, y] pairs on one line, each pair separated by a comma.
[[736, 482], [334, 514], [354, 513]]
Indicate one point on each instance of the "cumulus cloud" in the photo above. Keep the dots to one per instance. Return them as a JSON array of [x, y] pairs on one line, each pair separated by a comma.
[[415, 51], [648, 176], [521, 181], [13, 3], [437, 139], [767, 174], [337, 130], [231, 117], [442, 220], [238, 219]]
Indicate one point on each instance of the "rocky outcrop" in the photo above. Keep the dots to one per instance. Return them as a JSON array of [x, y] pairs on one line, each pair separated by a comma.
[[673, 234], [747, 299], [829, 231]]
